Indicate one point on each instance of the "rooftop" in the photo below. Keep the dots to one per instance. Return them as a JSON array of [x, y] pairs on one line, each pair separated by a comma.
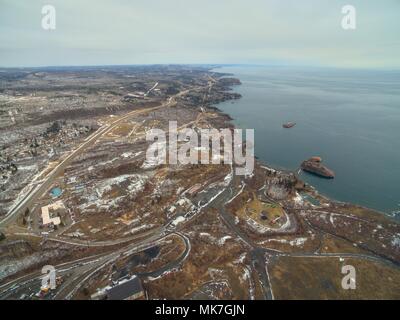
[[125, 289]]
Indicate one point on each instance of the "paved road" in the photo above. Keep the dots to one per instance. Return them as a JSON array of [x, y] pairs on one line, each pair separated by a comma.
[[35, 193], [76, 272], [257, 254]]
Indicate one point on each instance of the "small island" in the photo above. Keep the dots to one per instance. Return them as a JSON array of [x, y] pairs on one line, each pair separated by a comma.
[[314, 166]]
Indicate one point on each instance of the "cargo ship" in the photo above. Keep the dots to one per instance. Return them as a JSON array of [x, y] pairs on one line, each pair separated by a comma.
[[314, 165], [289, 125]]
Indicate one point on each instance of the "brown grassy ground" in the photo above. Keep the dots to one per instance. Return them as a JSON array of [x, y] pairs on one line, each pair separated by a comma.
[[320, 278]]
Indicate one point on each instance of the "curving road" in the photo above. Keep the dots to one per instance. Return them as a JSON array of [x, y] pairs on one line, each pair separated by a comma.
[[35, 193]]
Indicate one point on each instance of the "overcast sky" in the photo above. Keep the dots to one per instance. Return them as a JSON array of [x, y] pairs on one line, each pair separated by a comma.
[[299, 32]]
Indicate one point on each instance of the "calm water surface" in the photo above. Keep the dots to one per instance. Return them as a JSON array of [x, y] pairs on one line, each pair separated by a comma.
[[349, 118]]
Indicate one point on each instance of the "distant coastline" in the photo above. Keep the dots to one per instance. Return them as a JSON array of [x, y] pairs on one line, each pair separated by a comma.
[[226, 108]]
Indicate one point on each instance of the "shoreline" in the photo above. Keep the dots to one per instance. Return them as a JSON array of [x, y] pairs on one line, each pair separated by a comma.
[[394, 215]]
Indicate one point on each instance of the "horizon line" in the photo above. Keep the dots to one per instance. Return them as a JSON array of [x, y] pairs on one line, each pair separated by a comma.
[[206, 64]]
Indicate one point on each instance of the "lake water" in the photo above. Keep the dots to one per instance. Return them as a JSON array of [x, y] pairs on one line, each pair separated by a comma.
[[350, 118]]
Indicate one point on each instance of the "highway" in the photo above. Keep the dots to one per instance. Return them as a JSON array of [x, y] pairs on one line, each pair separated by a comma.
[[37, 191], [76, 272]]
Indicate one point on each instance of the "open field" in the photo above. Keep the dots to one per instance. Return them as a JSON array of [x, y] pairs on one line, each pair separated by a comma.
[[320, 278]]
